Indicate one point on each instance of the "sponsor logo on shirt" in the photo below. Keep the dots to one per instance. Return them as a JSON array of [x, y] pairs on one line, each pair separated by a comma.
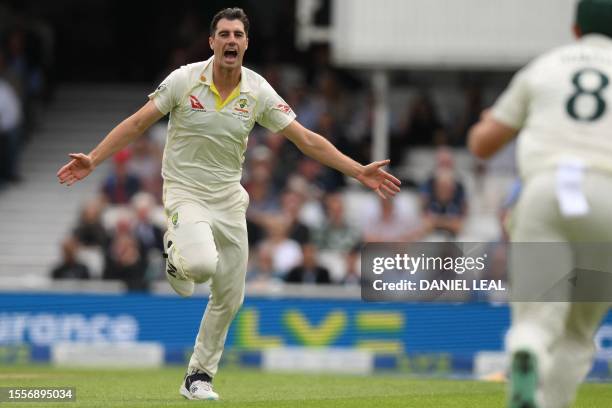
[[283, 108], [196, 105]]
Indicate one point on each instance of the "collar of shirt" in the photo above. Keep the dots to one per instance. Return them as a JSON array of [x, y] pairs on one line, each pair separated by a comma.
[[207, 74], [598, 40]]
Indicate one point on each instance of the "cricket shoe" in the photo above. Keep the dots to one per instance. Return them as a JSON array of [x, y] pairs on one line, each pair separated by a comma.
[[177, 279], [523, 380], [198, 387]]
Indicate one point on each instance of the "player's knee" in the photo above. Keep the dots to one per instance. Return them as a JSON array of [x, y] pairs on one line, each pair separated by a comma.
[[238, 304], [235, 303], [199, 264], [203, 268]]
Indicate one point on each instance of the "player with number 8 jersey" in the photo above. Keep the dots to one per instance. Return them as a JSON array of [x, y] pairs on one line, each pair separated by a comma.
[[561, 102], [560, 109]]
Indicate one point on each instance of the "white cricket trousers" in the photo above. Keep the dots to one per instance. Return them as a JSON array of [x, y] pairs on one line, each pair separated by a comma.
[[559, 333], [210, 243]]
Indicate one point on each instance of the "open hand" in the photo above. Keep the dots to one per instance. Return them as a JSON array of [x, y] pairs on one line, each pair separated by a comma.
[[374, 177], [77, 169]]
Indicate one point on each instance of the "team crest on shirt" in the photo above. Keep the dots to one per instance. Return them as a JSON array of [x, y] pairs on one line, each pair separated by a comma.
[[196, 105], [241, 109]]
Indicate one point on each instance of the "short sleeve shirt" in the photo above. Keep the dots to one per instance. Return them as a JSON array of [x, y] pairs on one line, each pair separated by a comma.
[[207, 137], [562, 102]]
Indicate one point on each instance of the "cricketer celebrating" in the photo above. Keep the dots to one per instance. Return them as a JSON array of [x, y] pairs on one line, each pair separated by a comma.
[[213, 106]]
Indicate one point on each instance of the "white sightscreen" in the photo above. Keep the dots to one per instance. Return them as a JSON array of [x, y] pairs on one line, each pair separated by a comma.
[[451, 33]]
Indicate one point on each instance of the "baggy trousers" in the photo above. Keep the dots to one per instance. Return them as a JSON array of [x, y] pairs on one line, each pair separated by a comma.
[[210, 244], [560, 333]]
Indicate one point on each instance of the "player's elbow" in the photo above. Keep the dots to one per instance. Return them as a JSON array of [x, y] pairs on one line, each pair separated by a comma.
[[477, 149], [477, 144]]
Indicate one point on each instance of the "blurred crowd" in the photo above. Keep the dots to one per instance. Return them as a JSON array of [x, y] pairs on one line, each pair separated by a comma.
[[302, 220], [26, 62], [305, 223]]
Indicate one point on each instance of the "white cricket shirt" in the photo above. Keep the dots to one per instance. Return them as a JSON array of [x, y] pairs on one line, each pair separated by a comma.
[[207, 137], [562, 102]]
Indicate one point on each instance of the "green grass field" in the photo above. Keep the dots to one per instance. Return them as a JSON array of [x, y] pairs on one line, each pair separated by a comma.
[[249, 388]]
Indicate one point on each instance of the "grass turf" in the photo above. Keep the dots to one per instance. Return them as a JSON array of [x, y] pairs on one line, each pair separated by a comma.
[[248, 388]]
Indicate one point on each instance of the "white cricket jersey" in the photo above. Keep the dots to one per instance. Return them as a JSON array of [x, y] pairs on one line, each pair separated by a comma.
[[207, 137], [562, 102]]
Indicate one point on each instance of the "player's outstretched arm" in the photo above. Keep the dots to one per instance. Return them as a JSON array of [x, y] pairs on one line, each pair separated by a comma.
[[81, 165], [316, 146]]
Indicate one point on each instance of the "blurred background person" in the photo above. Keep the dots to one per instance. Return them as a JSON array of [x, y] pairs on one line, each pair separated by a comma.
[[336, 240], [145, 164], [124, 258], [388, 225], [121, 185], [309, 271], [11, 116], [262, 273], [70, 267]]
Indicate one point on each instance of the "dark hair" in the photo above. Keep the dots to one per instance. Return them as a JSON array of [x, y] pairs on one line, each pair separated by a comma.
[[595, 16], [234, 13]]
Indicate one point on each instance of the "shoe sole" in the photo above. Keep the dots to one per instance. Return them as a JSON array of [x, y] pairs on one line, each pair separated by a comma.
[[523, 380]]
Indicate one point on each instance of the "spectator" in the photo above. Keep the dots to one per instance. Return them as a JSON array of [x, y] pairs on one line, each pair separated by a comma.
[[330, 179], [311, 214], [353, 271], [22, 59], [444, 204], [336, 240], [291, 205], [145, 164], [263, 274], [281, 147], [263, 198], [150, 237], [89, 230], [472, 108], [309, 271], [359, 133], [120, 185], [124, 260], [303, 105], [70, 268], [286, 253], [313, 172], [336, 234], [10, 128], [423, 126], [389, 225]]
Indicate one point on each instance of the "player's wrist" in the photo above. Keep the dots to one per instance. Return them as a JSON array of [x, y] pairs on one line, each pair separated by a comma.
[[94, 160], [358, 172]]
